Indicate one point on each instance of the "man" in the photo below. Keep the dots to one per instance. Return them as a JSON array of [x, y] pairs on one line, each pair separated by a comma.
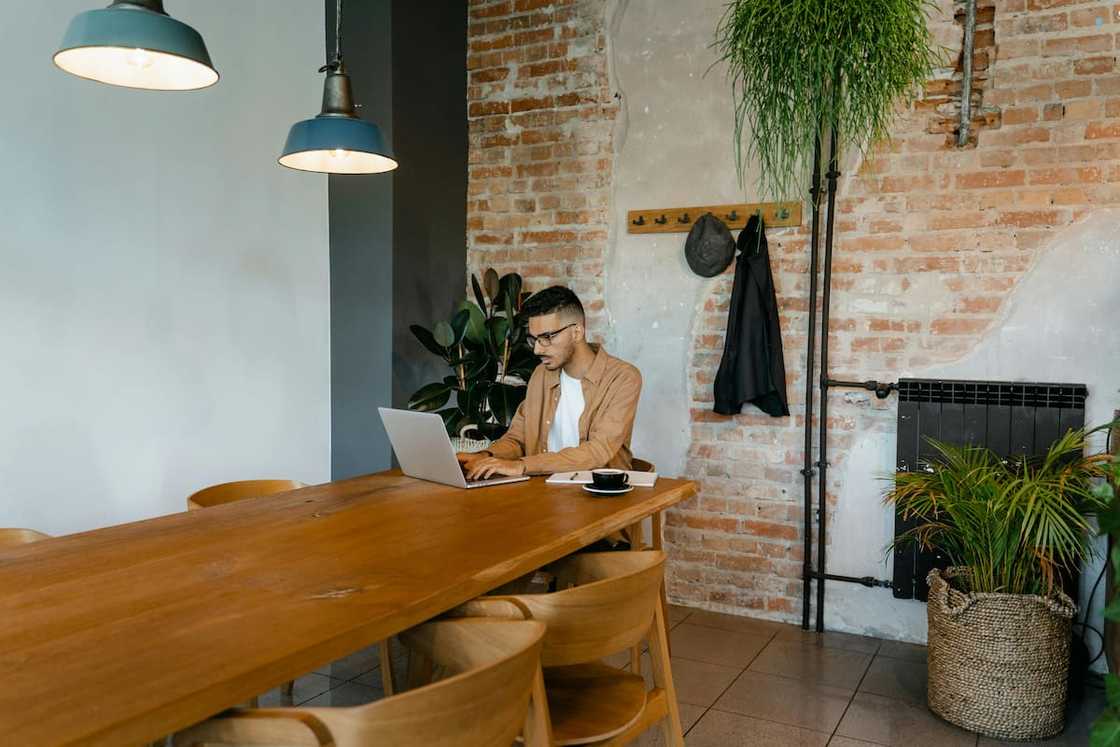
[[579, 406]]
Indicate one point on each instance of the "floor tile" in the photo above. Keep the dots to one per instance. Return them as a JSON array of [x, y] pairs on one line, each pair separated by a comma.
[[901, 650], [714, 646], [697, 682], [677, 614], [892, 722], [351, 666], [896, 678], [786, 701], [722, 729], [849, 742], [346, 694], [621, 660], [823, 666], [1080, 716], [734, 623], [690, 714], [307, 686], [847, 641]]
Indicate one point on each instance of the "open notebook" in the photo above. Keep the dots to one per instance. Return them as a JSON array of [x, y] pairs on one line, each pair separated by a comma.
[[637, 479]]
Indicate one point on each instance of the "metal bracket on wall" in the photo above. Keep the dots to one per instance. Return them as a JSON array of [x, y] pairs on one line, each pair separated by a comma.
[[680, 219]]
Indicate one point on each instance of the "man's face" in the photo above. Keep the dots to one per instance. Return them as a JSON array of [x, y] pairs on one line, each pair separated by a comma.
[[554, 353]]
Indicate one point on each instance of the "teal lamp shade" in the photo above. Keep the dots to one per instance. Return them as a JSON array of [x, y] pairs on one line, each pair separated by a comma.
[[135, 44], [337, 141]]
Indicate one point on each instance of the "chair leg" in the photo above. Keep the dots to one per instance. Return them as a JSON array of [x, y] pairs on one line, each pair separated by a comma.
[[419, 670], [289, 689], [658, 544], [538, 725], [636, 541], [663, 678], [385, 651]]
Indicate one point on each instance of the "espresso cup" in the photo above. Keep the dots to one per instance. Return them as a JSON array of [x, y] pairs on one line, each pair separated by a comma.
[[610, 479]]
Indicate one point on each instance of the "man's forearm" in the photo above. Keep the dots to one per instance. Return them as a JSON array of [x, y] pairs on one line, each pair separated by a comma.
[[506, 448]]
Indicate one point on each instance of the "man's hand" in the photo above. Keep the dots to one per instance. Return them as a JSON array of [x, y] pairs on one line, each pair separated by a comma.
[[468, 459], [487, 467]]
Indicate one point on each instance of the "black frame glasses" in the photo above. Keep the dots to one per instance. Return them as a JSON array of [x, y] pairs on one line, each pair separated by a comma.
[[545, 338]]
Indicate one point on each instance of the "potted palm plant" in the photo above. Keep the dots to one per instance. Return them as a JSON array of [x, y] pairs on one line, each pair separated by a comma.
[[999, 623], [485, 347]]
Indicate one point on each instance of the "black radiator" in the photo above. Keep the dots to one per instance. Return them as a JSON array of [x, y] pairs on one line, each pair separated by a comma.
[[1008, 418]]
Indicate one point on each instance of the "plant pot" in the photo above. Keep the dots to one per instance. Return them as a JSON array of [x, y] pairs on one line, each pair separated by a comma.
[[469, 445], [998, 663]]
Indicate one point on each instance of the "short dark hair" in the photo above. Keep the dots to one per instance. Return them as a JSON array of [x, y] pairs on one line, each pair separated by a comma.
[[556, 299]]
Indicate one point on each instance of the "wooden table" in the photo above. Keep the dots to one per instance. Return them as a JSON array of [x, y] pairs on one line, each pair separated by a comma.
[[121, 635]]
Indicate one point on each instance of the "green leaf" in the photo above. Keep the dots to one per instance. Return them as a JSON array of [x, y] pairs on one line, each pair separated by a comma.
[[497, 328], [479, 297], [476, 398], [1112, 689], [459, 323], [1106, 730], [490, 281], [510, 288], [430, 398], [1112, 610], [428, 340], [444, 335], [476, 324], [504, 400]]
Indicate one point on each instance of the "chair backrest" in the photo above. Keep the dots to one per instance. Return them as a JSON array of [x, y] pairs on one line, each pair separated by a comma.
[[641, 465], [608, 608], [484, 700], [14, 537], [228, 492]]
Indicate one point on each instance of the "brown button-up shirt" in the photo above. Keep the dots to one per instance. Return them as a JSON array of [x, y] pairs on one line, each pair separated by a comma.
[[610, 395]]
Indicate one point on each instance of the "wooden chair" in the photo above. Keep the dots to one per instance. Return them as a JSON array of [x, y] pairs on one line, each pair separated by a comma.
[[230, 492], [608, 603], [15, 537], [493, 666]]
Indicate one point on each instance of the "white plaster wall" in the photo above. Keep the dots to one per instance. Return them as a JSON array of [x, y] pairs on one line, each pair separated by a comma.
[[673, 146], [164, 309]]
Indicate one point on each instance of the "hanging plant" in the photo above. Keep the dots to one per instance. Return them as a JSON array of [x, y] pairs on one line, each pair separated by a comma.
[[800, 67]]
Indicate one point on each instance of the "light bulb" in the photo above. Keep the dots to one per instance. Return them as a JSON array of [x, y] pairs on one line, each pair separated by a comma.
[[140, 58], [339, 153]]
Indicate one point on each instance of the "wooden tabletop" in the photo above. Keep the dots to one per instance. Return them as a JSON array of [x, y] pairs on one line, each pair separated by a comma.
[[124, 634]]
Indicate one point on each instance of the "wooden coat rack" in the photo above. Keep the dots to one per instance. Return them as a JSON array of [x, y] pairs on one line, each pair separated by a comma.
[[680, 219]]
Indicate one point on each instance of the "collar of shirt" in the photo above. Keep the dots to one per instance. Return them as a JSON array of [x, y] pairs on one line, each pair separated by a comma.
[[593, 375]]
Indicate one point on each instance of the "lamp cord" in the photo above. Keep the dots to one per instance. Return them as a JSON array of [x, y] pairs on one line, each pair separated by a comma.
[[338, 31]]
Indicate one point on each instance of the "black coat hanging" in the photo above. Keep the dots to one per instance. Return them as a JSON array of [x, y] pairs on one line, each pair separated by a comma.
[[752, 369]]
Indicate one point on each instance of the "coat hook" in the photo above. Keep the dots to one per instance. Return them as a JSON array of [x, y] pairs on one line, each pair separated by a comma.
[[733, 216], [684, 219], [640, 221], [662, 220], [783, 214]]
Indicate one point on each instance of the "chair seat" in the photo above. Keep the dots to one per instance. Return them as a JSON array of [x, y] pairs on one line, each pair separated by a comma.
[[592, 702]]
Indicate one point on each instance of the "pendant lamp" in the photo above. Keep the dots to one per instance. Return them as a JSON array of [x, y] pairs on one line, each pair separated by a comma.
[[337, 141], [135, 44]]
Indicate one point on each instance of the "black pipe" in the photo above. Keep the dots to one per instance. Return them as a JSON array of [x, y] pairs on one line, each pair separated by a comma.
[[807, 470], [882, 389], [869, 581], [822, 463]]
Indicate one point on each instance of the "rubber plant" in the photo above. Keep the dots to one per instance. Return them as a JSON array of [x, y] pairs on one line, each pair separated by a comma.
[[484, 346], [802, 67]]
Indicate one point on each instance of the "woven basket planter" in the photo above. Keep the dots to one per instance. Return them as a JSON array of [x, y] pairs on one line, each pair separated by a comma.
[[998, 663]]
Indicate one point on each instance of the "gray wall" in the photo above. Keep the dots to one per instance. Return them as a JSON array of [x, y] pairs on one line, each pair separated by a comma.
[[398, 242], [361, 240], [163, 282]]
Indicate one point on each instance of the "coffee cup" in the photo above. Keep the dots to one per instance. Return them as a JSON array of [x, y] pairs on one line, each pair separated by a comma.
[[610, 479]]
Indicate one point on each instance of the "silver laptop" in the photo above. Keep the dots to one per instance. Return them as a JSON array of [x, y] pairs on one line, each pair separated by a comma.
[[423, 448]]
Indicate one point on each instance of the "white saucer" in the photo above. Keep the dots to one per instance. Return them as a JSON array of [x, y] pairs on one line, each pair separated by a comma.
[[600, 491]]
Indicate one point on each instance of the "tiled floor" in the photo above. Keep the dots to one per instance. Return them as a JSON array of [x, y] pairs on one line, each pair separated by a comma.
[[749, 682]]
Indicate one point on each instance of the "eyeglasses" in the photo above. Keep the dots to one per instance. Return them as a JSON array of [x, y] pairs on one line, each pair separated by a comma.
[[545, 338]]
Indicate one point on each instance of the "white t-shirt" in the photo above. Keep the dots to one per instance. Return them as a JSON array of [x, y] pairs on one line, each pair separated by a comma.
[[564, 432]]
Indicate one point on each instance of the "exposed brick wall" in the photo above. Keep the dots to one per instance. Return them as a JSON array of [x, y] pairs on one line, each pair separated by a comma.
[[931, 240], [541, 115]]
